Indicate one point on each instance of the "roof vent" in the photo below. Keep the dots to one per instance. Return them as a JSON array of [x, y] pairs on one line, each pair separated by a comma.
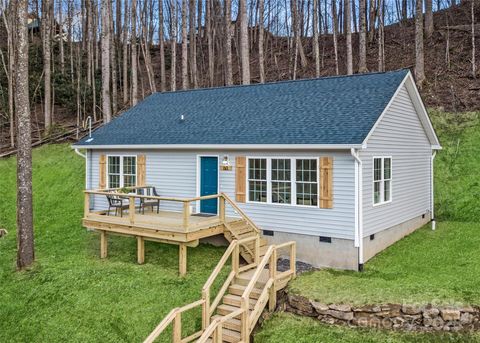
[[182, 117]]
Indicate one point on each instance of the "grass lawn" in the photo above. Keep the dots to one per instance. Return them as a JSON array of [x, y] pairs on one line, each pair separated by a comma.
[[72, 295], [441, 266], [287, 328]]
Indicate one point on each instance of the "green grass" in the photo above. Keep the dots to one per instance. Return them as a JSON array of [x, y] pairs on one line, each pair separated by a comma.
[[72, 295], [441, 266], [287, 328]]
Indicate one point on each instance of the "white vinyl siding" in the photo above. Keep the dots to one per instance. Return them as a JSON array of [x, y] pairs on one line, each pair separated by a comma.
[[174, 175], [401, 136]]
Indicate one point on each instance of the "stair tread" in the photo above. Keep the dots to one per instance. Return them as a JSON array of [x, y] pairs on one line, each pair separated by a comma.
[[236, 300], [239, 289]]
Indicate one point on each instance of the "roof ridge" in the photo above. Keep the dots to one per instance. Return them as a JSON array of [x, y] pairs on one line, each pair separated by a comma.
[[279, 82]]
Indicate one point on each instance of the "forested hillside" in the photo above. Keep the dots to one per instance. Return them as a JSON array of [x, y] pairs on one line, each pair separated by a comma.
[[88, 59]]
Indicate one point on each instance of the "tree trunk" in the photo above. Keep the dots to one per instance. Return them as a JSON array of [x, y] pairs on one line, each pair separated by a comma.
[[428, 19], [244, 51], [193, 45], [173, 77], [404, 10], [348, 30], [335, 33], [47, 60], [184, 46], [261, 58], [163, 81], [25, 240], [60, 37], [113, 59], [316, 50], [126, 18], [134, 54], [228, 43], [210, 42], [419, 53], [362, 63], [474, 65], [106, 101], [381, 38]]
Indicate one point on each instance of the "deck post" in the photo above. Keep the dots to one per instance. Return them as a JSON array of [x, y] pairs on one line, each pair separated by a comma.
[[235, 260], [86, 208], [272, 299], [131, 209], [182, 259], [221, 210], [177, 328], [257, 250], [103, 244], [140, 250], [206, 309], [245, 331], [293, 257], [186, 215]]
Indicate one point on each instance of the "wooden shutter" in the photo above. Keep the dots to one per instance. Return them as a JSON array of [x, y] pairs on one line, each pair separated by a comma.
[[141, 170], [326, 182], [240, 178], [102, 172]]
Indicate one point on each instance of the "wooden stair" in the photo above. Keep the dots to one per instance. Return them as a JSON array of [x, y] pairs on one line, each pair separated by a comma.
[[241, 229]]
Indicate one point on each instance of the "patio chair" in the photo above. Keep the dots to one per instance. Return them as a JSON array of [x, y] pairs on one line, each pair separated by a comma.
[[118, 203], [148, 202]]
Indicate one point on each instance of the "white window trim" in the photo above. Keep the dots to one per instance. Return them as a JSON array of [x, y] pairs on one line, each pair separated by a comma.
[[382, 182], [121, 168], [293, 179]]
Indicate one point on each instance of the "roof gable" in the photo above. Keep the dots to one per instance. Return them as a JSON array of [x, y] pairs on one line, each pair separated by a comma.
[[325, 111]]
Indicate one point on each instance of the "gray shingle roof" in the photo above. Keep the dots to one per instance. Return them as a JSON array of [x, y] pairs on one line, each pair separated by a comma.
[[331, 110]]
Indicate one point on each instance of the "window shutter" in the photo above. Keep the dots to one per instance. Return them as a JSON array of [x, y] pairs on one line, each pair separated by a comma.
[[240, 178], [141, 170], [102, 172], [326, 182]]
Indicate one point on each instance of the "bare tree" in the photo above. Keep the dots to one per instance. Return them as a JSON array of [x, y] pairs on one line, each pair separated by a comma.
[[126, 18], [106, 101], [316, 50], [474, 65], [428, 18], [335, 33], [161, 43], [173, 34], [419, 53], [362, 62], [244, 51], [184, 46], [47, 60], [25, 238], [261, 57], [60, 24], [193, 45], [381, 38], [210, 41], [348, 20], [133, 43], [228, 43]]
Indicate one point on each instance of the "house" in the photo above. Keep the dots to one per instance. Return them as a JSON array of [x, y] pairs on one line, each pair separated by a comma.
[[341, 165]]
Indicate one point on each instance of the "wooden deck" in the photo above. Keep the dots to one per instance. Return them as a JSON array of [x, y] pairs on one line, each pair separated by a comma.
[[181, 228]]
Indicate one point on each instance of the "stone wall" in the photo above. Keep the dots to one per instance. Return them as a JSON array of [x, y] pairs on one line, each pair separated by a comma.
[[387, 316]]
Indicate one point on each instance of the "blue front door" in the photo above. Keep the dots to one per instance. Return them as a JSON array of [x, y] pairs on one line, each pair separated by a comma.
[[208, 183]]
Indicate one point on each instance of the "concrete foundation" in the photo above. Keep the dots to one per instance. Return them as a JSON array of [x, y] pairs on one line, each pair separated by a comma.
[[385, 238]]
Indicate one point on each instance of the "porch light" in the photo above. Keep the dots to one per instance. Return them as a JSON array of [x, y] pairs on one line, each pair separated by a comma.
[[226, 163]]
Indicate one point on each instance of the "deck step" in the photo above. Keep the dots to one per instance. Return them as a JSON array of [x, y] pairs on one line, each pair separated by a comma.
[[231, 324], [235, 300], [244, 278], [224, 309], [236, 289], [231, 336]]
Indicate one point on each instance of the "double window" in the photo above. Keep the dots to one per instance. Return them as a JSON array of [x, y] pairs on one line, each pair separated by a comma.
[[122, 171], [382, 180], [283, 181]]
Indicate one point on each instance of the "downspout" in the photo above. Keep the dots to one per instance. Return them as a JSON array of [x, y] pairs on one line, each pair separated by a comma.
[[86, 165], [432, 200], [358, 207]]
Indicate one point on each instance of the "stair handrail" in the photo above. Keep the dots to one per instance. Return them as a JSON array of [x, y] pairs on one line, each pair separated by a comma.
[[240, 211], [175, 315], [233, 250], [215, 327]]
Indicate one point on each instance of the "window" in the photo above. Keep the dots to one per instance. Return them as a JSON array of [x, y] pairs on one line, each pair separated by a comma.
[[122, 171], [306, 182], [382, 180], [281, 185], [257, 179]]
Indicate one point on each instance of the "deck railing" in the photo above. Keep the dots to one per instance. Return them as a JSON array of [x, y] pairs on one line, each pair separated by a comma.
[[185, 204]]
